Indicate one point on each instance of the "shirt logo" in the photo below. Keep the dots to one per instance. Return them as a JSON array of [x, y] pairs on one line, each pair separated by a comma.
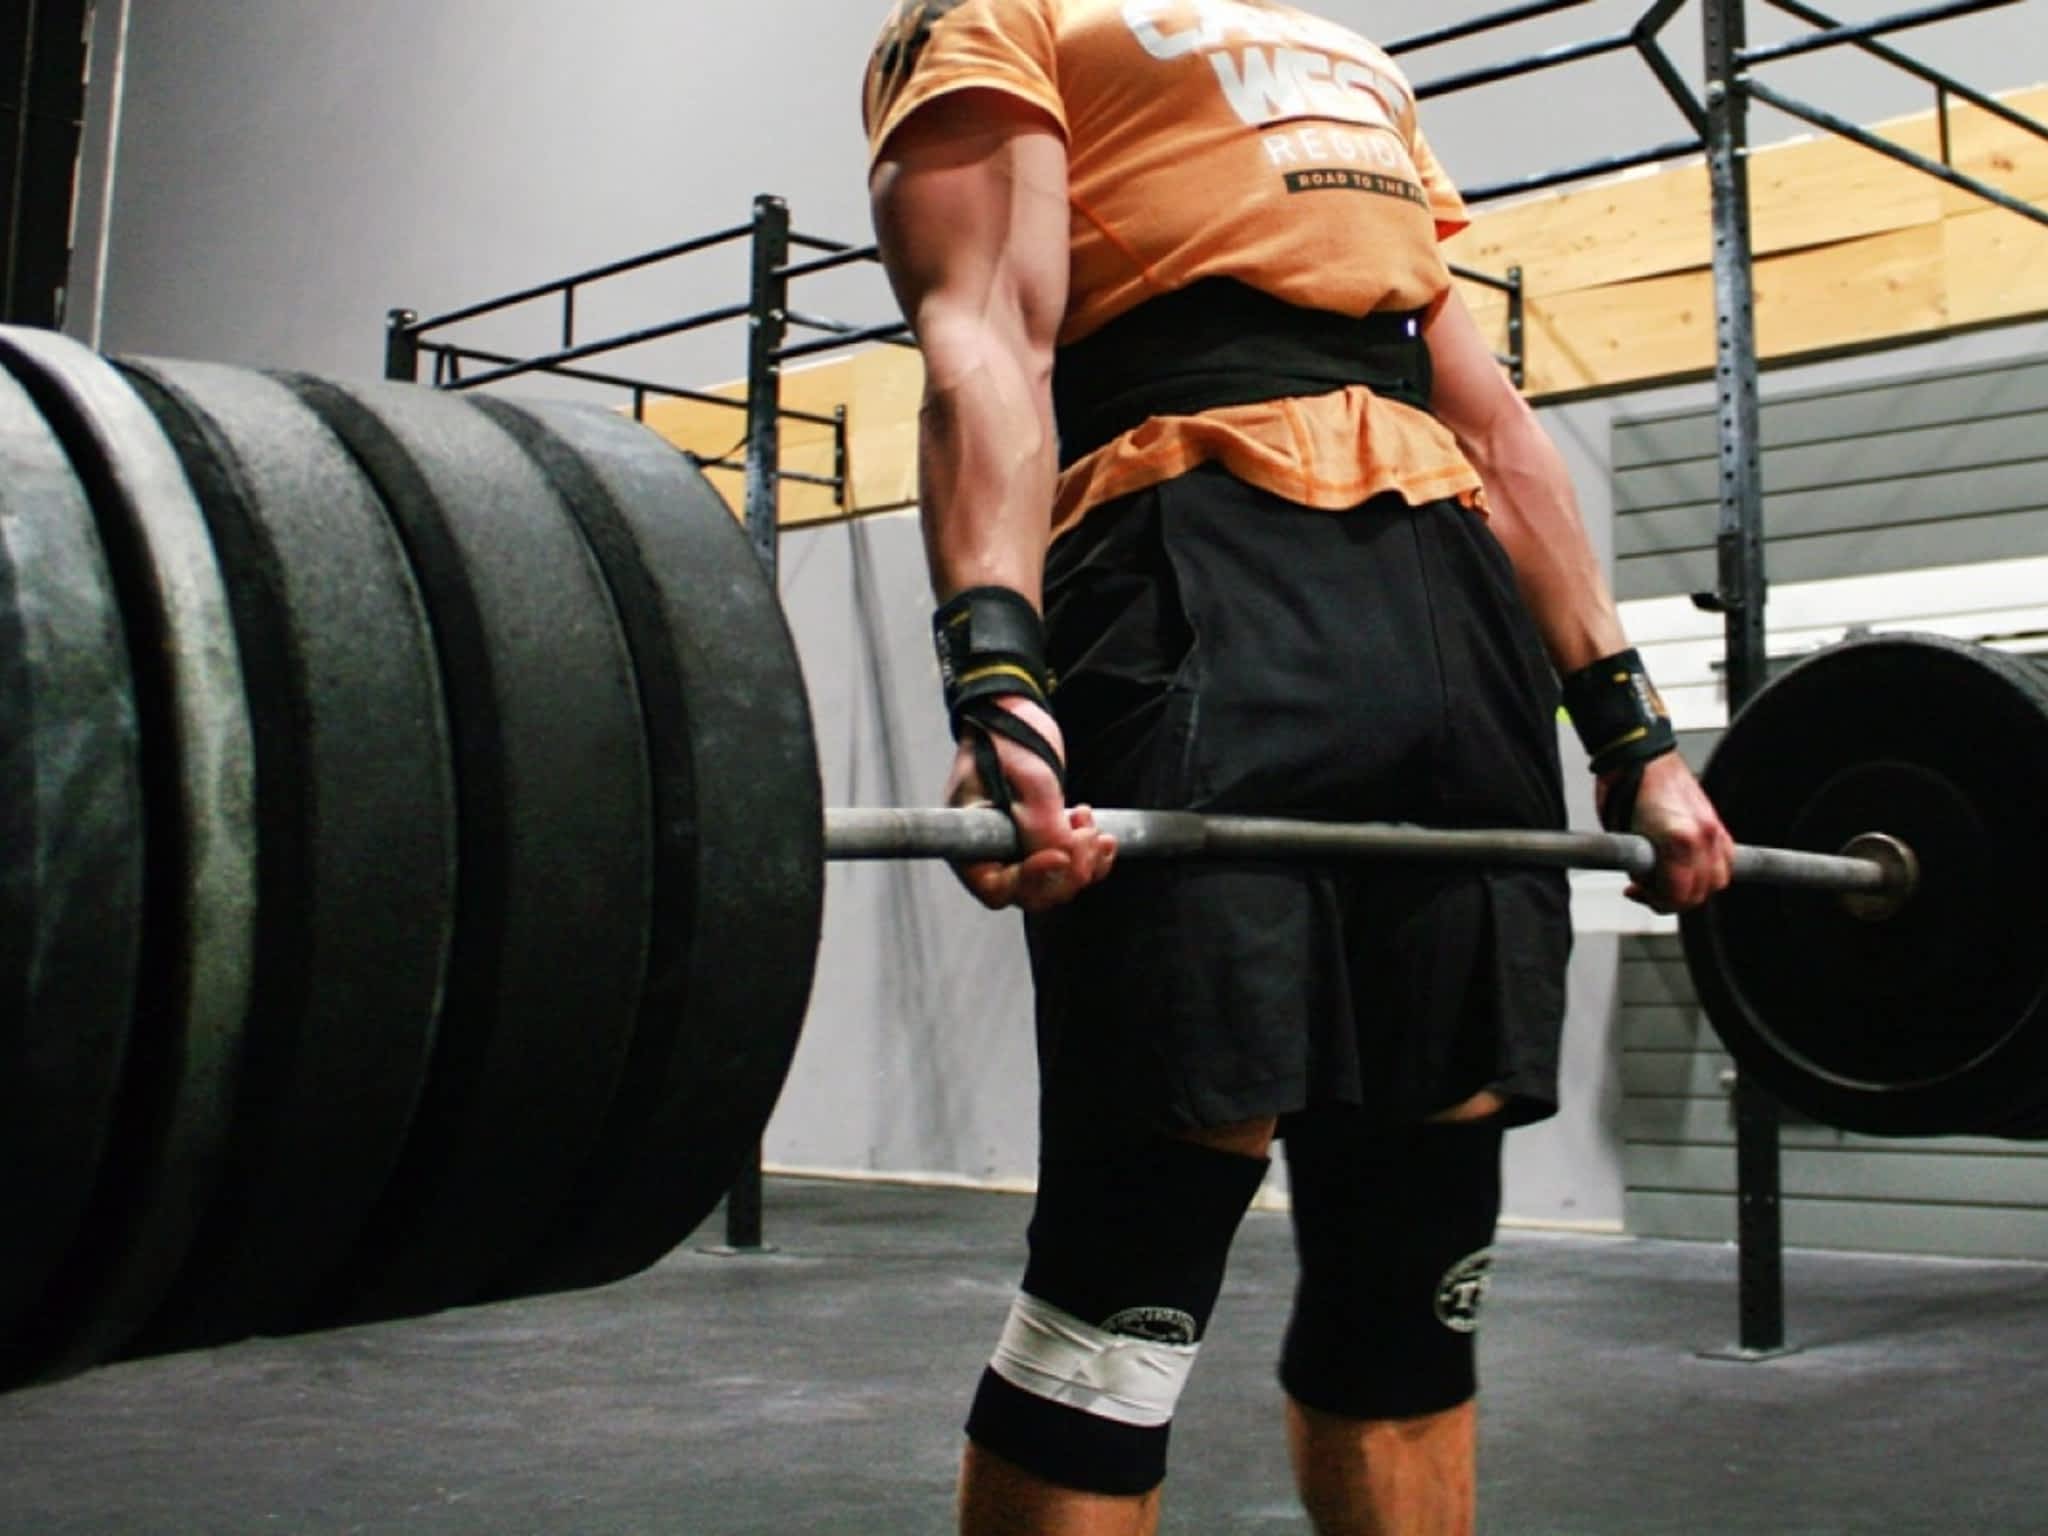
[[905, 36]]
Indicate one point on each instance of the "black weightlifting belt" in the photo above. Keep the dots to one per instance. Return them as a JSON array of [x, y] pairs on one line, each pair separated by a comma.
[[1217, 343]]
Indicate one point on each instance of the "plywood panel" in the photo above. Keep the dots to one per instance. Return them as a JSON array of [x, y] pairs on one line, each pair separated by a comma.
[[1994, 151], [1811, 191], [1854, 250], [885, 389], [1997, 265], [879, 389], [1825, 190], [1867, 290], [1600, 338], [1807, 301], [1633, 226]]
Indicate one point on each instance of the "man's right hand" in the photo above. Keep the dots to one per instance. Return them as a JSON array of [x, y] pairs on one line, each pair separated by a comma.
[[1695, 854], [1065, 852]]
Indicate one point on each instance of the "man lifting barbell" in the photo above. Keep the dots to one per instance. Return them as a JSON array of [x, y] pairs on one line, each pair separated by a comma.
[[1201, 395]]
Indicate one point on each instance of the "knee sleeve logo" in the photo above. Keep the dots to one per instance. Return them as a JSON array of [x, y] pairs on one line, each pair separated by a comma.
[[1155, 1325], [1461, 1292]]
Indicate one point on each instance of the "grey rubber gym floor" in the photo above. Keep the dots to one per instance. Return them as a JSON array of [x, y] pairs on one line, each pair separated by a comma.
[[820, 1389]]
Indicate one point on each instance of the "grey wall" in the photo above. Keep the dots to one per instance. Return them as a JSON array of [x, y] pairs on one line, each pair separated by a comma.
[[274, 175], [289, 171]]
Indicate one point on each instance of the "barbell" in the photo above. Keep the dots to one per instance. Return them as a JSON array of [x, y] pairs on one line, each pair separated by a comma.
[[412, 858]]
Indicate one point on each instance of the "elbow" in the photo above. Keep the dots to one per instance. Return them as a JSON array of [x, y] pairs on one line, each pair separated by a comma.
[[962, 338]]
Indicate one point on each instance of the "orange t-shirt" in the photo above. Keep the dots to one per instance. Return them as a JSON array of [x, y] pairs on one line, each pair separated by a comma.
[[1216, 138]]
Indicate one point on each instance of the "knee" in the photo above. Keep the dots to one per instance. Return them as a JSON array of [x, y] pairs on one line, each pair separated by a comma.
[[1127, 1259], [1247, 1138], [1394, 1272]]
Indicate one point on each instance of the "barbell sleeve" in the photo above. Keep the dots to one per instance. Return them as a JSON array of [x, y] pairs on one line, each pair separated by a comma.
[[863, 833]]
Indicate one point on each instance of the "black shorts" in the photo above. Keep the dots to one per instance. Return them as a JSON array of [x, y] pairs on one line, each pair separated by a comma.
[[1222, 649]]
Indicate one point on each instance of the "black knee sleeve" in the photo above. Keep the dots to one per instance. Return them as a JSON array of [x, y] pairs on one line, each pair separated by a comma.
[[1394, 1232], [1127, 1258]]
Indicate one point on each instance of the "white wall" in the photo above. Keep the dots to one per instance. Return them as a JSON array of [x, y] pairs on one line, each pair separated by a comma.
[[285, 172]]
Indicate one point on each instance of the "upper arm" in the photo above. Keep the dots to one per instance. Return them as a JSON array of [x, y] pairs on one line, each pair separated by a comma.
[[1472, 394], [970, 208]]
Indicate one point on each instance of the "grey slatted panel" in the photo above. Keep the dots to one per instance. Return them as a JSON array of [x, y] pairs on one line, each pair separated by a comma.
[[1978, 491], [1990, 1232], [1866, 552], [1660, 981], [1674, 1074], [2008, 388], [1655, 1027], [1913, 1176], [1697, 746], [1840, 463], [1678, 1138], [1888, 475], [1711, 1123]]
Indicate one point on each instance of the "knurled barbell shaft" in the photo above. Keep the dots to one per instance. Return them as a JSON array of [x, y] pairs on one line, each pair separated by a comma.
[[853, 833]]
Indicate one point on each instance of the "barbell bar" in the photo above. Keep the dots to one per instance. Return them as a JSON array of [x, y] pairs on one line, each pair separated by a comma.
[[1879, 869]]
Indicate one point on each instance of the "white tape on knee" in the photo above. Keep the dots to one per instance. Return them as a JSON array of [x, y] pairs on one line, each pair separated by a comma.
[[1054, 1355]]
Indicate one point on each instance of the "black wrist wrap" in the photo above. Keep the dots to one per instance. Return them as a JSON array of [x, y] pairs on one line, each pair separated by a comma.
[[991, 643], [1622, 723]]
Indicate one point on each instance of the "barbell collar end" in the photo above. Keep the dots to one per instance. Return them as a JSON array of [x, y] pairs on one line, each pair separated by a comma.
[[1901, 866]]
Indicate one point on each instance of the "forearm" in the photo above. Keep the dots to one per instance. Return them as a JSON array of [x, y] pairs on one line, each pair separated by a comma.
[[986, 459], [1535, 515]]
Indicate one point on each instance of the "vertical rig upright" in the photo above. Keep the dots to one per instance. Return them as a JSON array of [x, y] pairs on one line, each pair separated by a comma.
[[767, 330], [1739, 598], [402, 346]]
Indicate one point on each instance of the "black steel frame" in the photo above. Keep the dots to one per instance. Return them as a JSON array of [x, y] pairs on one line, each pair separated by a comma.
[[1719, 126], [1742, 587]]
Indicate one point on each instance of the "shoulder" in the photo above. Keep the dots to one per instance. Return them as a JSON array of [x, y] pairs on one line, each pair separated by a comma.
[[931, 48]]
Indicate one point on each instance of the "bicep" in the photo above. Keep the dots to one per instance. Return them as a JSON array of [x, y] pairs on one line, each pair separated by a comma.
[[970, 210]]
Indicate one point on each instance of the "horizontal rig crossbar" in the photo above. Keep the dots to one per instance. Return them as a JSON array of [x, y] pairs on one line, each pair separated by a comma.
[[855, 833]]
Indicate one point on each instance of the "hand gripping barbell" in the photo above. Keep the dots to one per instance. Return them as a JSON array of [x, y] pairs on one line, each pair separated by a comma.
[[1875, 873], [412, 857]]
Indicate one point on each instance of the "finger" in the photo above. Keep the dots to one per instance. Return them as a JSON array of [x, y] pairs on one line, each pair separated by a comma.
[[1105, 849], [1094, 849], [1084, 846], [1046, 880], [993, 885]]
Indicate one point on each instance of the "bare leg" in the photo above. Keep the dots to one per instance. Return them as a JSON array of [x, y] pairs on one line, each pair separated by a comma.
[[999, 1498], [1391, 1477], [1385, 1477]]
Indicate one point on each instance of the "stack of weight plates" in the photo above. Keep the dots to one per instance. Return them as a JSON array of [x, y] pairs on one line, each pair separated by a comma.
[[410, 856]]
